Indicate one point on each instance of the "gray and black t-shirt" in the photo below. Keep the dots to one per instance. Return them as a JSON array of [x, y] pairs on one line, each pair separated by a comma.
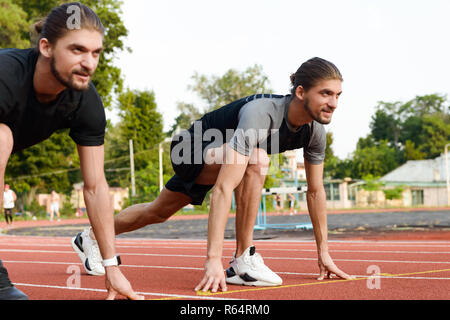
[[263, 123], [258, 121]]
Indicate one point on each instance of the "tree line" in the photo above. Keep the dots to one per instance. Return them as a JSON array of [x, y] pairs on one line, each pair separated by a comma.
[[417, 129]]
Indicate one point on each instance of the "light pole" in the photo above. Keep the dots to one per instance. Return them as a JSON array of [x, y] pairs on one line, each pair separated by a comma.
[[161, 150], [446, 173], [133, 183]]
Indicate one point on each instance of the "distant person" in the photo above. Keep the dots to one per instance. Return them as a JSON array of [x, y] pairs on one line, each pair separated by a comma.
[[9, 198], [278, 205], [79, 213], [291, 198], [54, 205]]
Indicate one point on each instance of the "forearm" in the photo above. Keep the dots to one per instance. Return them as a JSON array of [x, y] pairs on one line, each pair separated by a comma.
[[218, 216], [101, 217], [316, 201]]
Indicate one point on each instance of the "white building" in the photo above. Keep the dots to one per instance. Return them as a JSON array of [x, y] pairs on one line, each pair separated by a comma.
[[424, 182]]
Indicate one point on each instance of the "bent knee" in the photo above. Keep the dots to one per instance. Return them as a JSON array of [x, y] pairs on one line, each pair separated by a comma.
[[6, 139], [258, 162]]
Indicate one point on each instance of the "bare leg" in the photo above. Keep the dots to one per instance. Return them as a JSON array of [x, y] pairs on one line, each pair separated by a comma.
[[139, 215], [163, 207], [248, 198]]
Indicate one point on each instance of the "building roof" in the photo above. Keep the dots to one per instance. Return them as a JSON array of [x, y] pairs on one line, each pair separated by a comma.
[[432, 170]]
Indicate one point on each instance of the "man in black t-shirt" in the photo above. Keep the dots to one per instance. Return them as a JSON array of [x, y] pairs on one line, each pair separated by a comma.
[[47, 88]]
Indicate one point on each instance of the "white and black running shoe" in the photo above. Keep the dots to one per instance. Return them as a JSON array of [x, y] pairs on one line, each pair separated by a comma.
[[89, 253], [249, 269]]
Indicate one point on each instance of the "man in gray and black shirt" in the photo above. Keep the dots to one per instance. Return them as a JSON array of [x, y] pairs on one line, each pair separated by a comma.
[[227, 150]]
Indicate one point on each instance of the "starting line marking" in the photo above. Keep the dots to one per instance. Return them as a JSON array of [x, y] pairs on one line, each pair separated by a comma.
[[208, 293], [167, 295]]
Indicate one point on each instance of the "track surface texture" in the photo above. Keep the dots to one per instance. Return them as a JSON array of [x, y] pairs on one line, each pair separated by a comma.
[[393, 256]]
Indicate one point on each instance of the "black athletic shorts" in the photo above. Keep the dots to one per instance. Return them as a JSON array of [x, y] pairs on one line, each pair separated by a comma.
[[186, 173]]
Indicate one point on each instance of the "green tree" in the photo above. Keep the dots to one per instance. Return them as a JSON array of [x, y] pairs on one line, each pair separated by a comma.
[[394, 193], [331, 161], [426, 105], [417, 129], [141, 122], [435, 135], [233, 85], [377, 159], [217, 91], [372, 182], [410, 152], [188, 113], [51, 164], [386, 123], [13, 25]]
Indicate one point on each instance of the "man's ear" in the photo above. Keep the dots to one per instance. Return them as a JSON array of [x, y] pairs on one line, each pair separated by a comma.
[[300, 93], [45, 48]]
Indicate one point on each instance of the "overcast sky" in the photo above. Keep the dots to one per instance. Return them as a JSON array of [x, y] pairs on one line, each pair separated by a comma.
[[386, 50]]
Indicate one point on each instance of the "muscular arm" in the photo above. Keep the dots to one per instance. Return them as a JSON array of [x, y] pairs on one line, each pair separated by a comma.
[[96, 196], [316, 199], [229, 177], [101, 217]]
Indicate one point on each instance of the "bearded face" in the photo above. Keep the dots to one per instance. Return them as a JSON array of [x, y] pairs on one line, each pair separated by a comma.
[[75, 58]]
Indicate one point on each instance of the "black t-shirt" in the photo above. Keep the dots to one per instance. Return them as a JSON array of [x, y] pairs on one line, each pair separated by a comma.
[[31, 121]]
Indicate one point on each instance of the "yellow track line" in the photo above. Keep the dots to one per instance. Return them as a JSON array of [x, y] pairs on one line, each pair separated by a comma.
[[201, 293], [208, 293]]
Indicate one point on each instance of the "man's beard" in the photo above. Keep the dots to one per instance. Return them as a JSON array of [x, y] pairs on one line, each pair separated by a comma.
[[69, 83], [312, 115]]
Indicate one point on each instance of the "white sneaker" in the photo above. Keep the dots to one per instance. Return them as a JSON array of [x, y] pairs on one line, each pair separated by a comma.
[[89, 253], [249, 269]]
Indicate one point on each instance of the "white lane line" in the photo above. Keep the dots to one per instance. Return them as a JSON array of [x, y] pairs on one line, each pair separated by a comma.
[[6, 238], [201, 269], [157, 294], [259, 249], [202, 256], [297, 247]]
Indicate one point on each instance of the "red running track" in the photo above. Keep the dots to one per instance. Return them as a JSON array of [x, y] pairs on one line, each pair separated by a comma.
[[48, 269]]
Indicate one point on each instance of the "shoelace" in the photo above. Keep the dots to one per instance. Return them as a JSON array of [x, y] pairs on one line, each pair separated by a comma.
[[96, 252], [257, 262]]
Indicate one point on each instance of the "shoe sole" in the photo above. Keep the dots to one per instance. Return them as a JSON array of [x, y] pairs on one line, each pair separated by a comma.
[[83, 258], [258, 283]]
